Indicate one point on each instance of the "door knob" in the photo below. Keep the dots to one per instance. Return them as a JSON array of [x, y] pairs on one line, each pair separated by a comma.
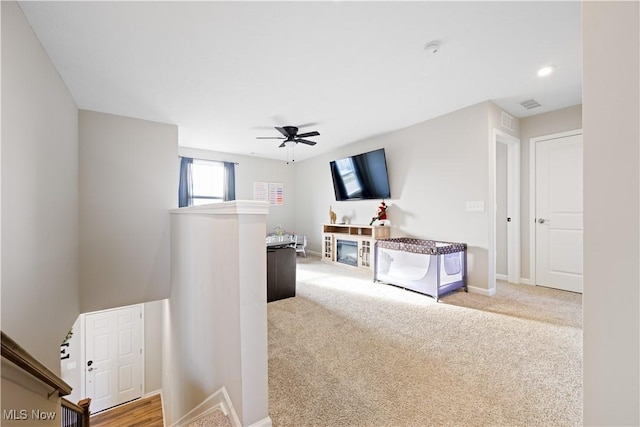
[[542, 220], [92, 369]]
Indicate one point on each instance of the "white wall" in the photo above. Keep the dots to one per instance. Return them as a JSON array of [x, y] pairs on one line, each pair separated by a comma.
[[21, 391], [557, 121], [39, 195], [154, 313], [71, 368], [250, 169], [435, 167], [611, 61], [217, 322], [128, 183]]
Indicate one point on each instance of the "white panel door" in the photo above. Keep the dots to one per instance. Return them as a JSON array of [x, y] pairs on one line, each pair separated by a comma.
[[559, 213], [113, 357]]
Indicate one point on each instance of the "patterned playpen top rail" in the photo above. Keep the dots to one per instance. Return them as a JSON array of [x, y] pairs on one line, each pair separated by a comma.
[[420, 246]]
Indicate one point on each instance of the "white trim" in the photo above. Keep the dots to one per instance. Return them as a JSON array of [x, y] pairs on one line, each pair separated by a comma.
[[83, 347], [83, 362], [218, 401], [532, 196], [505, 278], [152, 393], [513, 210], [481, 291], [236, 207], [265, 422], [491, 214], [143, 351]]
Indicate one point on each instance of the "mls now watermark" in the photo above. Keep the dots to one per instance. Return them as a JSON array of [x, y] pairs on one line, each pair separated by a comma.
[[23, 415]]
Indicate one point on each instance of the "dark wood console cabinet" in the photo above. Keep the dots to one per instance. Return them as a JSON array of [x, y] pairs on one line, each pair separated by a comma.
[[281, 273]]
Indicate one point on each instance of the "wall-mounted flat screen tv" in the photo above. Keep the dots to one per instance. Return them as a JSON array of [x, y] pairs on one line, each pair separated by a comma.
[[360, 177]]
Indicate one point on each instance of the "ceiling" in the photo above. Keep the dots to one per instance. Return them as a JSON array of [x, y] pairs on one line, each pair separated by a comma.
[[228, 72]]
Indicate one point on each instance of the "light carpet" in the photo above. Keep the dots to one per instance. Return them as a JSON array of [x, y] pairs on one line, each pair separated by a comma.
[[349, 352], [213, 419]]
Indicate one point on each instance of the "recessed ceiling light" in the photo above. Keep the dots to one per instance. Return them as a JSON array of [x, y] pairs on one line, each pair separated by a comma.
[[545, 71]]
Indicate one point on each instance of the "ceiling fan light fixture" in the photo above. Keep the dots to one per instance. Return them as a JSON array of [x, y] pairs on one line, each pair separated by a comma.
[[291, 138]]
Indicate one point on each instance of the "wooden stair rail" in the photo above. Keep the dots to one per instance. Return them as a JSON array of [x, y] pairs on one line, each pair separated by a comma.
[[82, 409], [21, 358]]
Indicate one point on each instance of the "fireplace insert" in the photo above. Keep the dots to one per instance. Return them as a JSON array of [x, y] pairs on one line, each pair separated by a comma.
[[347, 252]]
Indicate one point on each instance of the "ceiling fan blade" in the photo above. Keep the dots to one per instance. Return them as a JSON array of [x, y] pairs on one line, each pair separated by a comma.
[[306, 125], [305, 135], [304, 141], [270, 137], [283, 131], [284, 144]]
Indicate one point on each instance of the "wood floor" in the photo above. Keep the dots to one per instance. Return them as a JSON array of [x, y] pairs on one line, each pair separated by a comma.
[[145, 412]]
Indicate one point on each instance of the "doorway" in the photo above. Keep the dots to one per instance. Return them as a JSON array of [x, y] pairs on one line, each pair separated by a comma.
[[556, 200], [505, 224], [113, 356]]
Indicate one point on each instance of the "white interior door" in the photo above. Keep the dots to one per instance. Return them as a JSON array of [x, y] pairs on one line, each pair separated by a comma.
[[558, 213], [113, 357]]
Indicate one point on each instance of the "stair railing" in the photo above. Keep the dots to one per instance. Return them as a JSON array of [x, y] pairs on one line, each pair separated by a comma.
[[15, 354], [75, 415]]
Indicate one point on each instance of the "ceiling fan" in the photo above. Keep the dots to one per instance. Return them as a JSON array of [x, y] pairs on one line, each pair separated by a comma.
[[290, 134]]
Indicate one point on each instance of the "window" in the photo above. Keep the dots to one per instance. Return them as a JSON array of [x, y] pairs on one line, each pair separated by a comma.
[[205, 181], [208, 182]]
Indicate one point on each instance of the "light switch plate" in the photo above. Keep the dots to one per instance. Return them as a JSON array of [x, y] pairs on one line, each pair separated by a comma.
[[71, 365], [475, 206]]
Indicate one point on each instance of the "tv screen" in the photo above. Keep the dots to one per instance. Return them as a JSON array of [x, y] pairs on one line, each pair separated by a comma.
[[360, 177]]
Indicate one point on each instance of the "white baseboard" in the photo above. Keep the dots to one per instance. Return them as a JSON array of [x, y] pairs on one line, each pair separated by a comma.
[[265, 422], [153, 393], [481, 291], [502, 277], [218, 401], [525, 281]]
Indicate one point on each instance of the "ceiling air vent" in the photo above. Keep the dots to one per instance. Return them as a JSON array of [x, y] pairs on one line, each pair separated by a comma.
[[507, 121], [530, 104]]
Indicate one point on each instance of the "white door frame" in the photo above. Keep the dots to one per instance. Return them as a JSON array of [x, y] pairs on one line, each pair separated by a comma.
[[532, 195], [83, 343], [513, 208]]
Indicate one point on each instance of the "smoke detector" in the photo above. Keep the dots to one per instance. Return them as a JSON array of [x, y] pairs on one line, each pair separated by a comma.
[[432, 47]]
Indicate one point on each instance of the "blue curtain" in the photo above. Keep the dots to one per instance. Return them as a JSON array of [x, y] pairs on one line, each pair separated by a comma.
[[185, 190], [229, 181]]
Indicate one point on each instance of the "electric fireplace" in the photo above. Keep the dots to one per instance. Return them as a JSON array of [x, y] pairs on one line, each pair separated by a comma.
[[347, 252]]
